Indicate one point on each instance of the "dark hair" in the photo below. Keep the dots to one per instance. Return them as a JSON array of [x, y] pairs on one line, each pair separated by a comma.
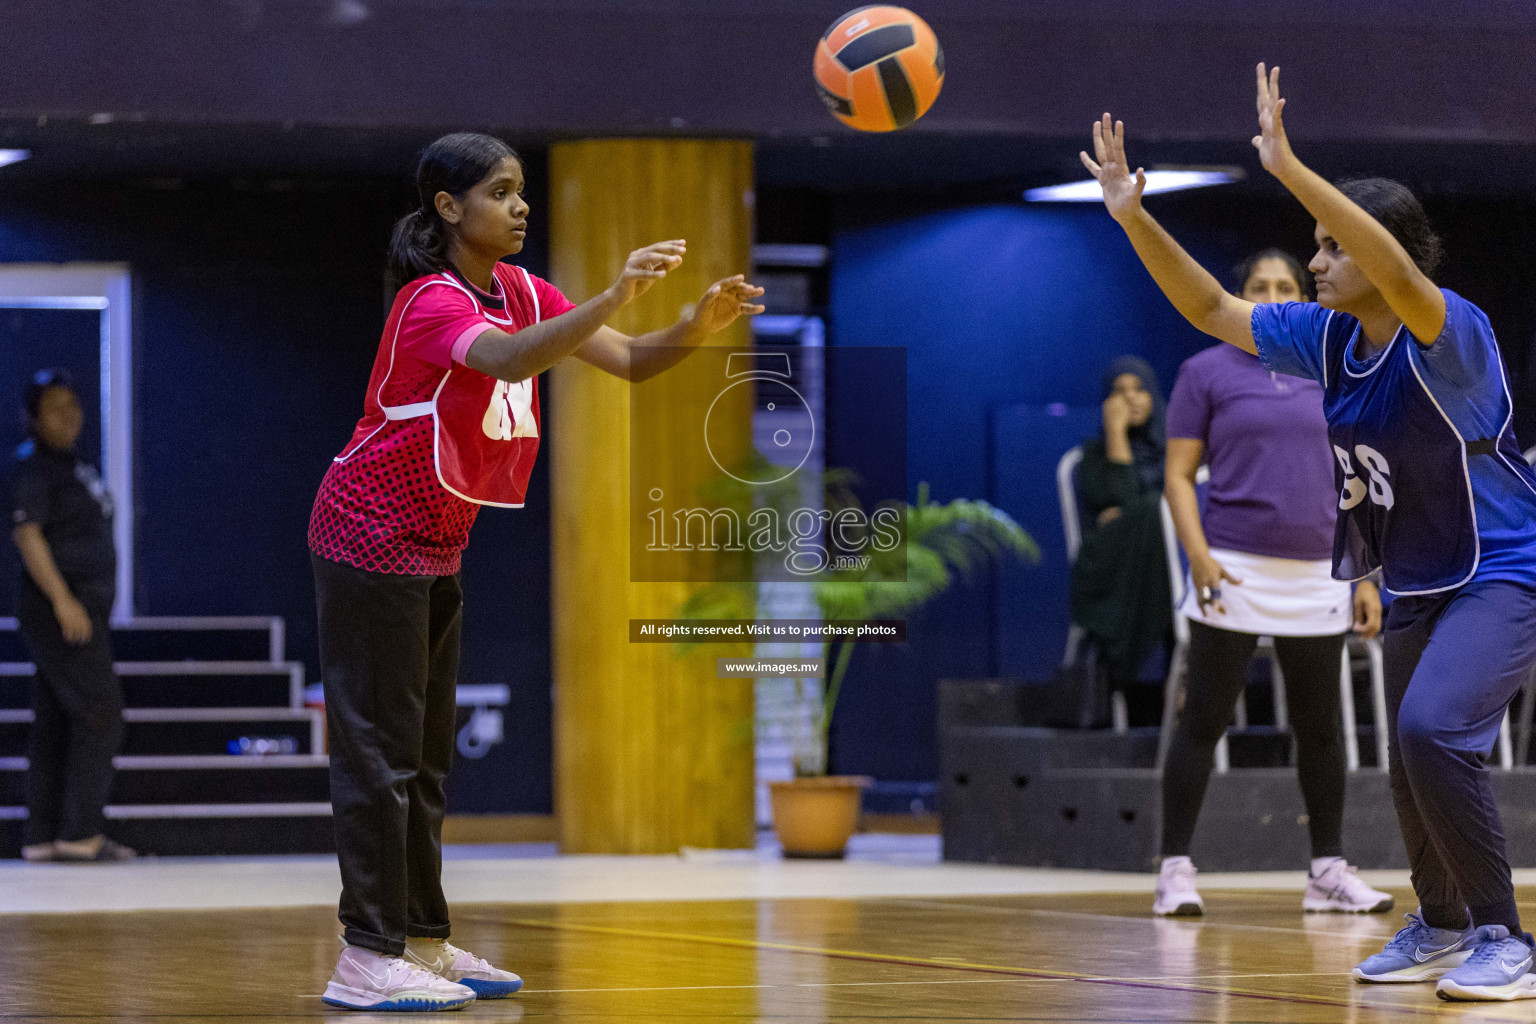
[[1244, 270], [1399, 212], [42, 382], [454, 164]]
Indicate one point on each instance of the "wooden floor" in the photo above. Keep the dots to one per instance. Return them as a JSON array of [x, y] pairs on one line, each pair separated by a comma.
[[1254, 957]]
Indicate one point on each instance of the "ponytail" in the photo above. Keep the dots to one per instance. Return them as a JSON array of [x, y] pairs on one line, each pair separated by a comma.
[[418, 246], [454, 164]]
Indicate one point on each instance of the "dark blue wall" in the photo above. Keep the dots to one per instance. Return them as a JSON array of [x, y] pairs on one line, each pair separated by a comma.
[[258, 312], [996, 305]]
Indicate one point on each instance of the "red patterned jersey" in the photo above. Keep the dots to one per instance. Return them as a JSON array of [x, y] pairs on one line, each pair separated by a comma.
[[381, 506]]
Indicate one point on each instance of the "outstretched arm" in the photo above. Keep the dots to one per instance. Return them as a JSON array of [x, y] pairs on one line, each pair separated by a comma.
[[640, 358], [534, 349], [1197, 295], [1412, 296]]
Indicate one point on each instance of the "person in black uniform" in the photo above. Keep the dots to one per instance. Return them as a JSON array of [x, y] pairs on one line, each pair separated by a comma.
[[61, 516]]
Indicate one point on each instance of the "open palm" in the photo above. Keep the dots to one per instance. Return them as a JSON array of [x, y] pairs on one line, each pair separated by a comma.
[[1274, 148], [1122, 189]]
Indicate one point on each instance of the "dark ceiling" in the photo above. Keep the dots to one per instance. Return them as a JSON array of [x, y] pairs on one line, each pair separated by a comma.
[[1439, 93]]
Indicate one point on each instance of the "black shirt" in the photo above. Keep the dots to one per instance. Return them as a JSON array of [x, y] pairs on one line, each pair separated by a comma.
[[65, 496]]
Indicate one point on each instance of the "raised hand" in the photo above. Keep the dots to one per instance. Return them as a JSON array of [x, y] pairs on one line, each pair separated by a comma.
[[1274, 148], [1122, 189], [646, 266], [1117, 415], [724, 302]]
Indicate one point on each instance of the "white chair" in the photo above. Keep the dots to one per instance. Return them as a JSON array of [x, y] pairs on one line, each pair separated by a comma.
[[1072, 529], [1178, 580], [1522, 752]]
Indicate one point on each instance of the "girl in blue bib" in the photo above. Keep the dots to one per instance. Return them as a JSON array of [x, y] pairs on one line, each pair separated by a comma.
[[1433, 494]]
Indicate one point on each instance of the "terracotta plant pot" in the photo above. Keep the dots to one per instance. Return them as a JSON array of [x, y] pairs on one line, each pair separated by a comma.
[[815, 816]]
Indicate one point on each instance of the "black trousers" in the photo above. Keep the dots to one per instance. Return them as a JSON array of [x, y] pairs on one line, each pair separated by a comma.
[[77, 724], [1218, 670], [389, 659]]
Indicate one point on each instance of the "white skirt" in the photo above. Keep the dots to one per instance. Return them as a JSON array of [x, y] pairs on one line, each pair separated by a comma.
[[1278, 597]]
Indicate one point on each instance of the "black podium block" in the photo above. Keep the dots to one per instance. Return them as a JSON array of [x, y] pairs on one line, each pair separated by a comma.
[[1020, 794]]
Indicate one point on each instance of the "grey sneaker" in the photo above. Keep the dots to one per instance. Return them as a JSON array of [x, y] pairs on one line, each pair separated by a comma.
[[365, 980], [445, 959], [1417, 953], [1499, 968]]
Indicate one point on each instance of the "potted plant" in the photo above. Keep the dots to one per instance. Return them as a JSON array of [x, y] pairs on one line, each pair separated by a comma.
[[814, 814]]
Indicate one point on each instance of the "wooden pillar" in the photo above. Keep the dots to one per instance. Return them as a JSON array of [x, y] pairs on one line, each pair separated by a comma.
[[652, 752]]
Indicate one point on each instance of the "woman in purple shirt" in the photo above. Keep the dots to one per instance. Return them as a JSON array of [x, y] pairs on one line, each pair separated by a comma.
[[1260, 565]]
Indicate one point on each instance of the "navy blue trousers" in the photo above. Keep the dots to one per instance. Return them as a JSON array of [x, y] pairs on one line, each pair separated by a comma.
[[1454, 661]]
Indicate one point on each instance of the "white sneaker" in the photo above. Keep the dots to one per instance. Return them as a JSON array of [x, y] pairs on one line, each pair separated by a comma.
[[1176, 895], [365, 980], [448, 961], [1339, 889]]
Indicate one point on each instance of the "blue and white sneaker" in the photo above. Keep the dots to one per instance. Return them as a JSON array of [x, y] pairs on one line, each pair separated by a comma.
[[366, 980], [448, 961], [1499, 968], [1417, 953]]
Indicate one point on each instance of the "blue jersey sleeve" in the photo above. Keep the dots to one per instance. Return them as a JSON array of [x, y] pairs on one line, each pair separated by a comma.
[[1464, 353], [1289, 337]]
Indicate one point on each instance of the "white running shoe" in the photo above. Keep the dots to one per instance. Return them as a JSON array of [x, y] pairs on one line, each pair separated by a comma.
[[1339, 889], [446, 960], [1176, 894], [365, 980]]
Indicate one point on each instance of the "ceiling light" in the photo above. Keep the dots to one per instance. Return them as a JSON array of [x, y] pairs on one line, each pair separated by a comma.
[[13, 156], [1159, 179]]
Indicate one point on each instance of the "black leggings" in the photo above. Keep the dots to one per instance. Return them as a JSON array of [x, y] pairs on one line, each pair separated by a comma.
[[1218, 671]]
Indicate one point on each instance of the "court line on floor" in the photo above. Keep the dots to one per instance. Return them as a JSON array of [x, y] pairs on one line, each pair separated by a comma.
[[790, 984], [1200, 921], [644, 988], [896, 984], [1020, 972]]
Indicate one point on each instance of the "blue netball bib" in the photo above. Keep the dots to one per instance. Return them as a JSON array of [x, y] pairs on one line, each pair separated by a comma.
[[1433, 489]]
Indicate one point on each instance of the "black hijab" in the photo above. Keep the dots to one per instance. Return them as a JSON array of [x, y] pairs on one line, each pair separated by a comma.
[[1150, 440]]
